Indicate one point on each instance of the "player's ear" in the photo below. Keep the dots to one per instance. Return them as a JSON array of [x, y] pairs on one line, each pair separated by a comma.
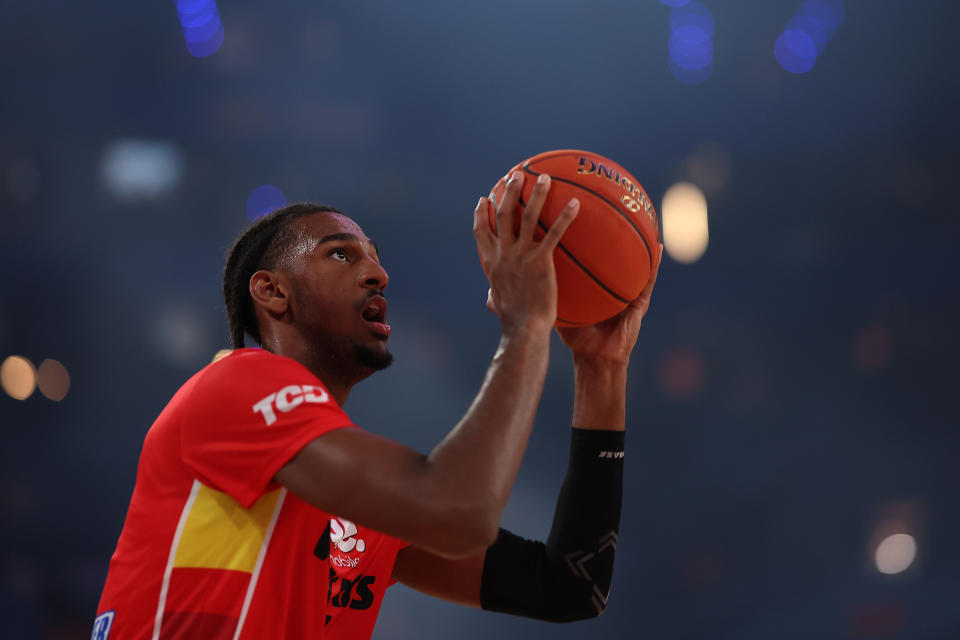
[[268, 289]]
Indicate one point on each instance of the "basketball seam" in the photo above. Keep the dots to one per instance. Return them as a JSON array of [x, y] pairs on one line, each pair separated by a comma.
[[526, 167], [573, 324], [578, 263]]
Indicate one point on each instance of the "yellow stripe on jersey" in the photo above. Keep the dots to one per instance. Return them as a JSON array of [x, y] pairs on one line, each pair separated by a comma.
[[221, 534]]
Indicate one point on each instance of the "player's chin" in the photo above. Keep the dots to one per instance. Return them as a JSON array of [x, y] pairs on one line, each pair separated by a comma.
[[374, 355]]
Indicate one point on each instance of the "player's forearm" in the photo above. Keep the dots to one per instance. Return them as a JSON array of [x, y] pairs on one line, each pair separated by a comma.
[[569, 577], [473, 469], [599, 395]]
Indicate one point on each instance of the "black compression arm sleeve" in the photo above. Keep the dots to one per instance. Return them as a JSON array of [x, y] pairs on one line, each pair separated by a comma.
[[568, 578]]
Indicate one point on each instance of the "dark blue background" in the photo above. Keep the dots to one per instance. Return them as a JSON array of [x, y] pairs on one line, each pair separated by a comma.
[[753, 503]]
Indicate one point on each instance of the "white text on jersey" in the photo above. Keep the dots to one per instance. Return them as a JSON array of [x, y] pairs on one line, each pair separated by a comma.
[[289, 398]]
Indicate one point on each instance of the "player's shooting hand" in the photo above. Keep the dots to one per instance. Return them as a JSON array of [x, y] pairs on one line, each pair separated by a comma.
[[612, 340], [523, 281]]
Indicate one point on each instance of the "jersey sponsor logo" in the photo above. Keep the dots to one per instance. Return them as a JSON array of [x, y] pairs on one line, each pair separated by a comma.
[[341, 536], [354, 594], [101, 626], [289, 398], [344, 562]]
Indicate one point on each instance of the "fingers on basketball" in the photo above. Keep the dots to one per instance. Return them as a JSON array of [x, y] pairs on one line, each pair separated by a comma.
[[481, 228], [531, 212], [560, 225], [508, 208], [482, 232], [642, 302]]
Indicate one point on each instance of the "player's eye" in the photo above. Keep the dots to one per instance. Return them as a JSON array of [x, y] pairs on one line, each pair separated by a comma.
[[339, 254]]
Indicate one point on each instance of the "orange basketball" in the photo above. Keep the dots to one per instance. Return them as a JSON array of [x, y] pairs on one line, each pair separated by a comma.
[[607, 255]]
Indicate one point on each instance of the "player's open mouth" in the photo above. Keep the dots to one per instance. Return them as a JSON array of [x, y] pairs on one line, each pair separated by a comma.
[[374, 313]]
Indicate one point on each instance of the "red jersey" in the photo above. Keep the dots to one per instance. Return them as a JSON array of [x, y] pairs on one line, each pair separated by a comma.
[[212, 547], [361, 562]]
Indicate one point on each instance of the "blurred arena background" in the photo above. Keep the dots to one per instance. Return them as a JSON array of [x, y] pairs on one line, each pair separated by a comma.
[[792, 433]]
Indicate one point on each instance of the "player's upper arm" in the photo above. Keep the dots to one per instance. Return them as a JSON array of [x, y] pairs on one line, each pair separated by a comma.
[[387, 486]]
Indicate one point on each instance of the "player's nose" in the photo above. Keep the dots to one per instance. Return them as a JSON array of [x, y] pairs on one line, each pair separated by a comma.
[[374, 276]]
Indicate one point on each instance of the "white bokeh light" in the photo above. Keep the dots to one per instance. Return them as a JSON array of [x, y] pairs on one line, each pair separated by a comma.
[[684, 215], [895, 553], [18, 377], [135, 169]]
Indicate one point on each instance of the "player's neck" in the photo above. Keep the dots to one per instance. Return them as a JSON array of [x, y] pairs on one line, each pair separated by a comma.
[[338, 383], [337, 389]]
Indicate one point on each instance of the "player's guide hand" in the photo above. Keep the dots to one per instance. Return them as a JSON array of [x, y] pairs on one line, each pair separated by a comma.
[[523, 280], [612, 340]]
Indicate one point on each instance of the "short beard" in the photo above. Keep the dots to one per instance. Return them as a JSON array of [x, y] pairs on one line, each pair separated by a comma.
[[372, 359]]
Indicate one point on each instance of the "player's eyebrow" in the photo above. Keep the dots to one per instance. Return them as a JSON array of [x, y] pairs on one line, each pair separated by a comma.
[[347, 237]]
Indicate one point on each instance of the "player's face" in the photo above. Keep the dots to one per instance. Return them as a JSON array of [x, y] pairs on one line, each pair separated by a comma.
[[338, 293]]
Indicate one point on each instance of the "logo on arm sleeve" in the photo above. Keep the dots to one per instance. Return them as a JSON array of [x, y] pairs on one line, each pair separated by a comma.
[[289, 398], [611, 454]]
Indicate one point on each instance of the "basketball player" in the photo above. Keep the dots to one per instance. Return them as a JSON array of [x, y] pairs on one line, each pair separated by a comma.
[[243, 519]]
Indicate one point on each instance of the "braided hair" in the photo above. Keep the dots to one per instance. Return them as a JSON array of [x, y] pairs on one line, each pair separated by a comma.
[[262, 246]]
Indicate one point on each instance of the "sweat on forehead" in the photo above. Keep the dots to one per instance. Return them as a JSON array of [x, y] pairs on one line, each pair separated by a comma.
[[326, 223], [322, 227]]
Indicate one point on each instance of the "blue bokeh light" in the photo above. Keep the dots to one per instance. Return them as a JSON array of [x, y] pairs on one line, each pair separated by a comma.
[[263, 200], [200, 18], [807, 34], [691, 42], [202, 29], [815, 30], [202, 33], [691, 56], [208, 47], [800, 44], [692, 14], [691, 34], [795, 51]]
